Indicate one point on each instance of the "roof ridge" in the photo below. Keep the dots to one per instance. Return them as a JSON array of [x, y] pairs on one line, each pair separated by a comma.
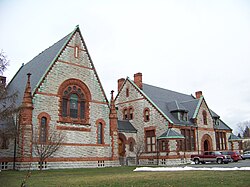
[[167, 89], [189, 101]]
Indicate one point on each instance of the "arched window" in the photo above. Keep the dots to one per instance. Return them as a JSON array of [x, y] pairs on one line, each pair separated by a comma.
[[146, 115], [99, 133], [204, 114], [74, 102], [43, 130]]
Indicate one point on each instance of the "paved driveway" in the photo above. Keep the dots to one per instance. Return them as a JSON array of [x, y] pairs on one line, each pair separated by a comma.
[[241, 163]]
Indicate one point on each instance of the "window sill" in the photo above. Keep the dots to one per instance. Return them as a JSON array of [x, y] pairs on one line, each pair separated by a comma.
[[73, 128], [77, 121]]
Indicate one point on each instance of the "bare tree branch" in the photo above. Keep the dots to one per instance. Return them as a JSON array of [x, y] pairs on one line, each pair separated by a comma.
[[139, 148], [45, 149], [4, 62]]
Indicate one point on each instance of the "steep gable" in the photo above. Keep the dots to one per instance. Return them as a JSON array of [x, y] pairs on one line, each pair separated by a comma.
[[38, 66], [61, 51]]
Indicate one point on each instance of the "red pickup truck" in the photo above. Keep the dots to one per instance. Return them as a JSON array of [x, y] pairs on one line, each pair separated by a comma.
[[211, 156]]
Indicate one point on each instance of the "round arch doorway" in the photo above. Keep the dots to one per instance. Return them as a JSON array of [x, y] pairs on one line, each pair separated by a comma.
[[206, 143]]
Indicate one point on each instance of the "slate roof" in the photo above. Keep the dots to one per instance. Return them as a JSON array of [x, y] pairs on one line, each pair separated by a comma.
[[38, 66], [233, 137], [222, 126], [126, 126], [168, 101], [170, 133]]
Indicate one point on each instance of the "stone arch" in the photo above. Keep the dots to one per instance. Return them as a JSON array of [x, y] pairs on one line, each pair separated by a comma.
[[84, 90], [122, 140], [206, 143]]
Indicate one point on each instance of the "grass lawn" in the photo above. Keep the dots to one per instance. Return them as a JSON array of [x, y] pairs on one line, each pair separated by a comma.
[[124, 176]]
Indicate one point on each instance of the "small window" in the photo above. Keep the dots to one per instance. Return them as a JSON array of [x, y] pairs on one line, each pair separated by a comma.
[[42, 165], [146, 115], [131, 113], [76, 51], [204, 114], [127, 92], [125, 114], [43, 130], [4, 165], [100, 133], [100, 163]]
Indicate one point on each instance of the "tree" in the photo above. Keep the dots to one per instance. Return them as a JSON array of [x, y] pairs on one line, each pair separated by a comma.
[[243, 129], [8, 107], [46, 147], [139, 148], [4, 62], [246, 133]]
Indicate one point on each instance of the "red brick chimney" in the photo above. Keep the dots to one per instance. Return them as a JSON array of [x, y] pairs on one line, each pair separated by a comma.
[[120, 83], [198, 94], [138, 80]]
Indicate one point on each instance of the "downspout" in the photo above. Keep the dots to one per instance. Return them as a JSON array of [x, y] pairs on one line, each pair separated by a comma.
[[14, 161], [197, 135]]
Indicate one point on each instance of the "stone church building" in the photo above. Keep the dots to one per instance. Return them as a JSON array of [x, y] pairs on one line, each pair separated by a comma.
[[59, 91]]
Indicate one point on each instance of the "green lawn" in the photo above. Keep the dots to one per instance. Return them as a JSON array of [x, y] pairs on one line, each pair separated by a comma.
[[124, 176]]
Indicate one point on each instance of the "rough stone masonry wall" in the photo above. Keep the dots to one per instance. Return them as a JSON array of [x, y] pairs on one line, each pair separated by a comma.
[[68, 67], [206, 129], [139, 103]]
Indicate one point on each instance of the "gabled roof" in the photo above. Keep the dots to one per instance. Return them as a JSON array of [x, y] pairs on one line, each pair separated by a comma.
[[163, 99], [171, 134], [222, 126], [167, 101], [40, 65], [233, 137], [126, 126], [174, 106]]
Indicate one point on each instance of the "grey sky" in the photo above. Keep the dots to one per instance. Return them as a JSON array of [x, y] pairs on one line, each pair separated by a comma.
[[183, 46]]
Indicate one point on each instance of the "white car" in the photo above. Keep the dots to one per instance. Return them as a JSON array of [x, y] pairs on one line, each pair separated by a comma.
[[246, 155]]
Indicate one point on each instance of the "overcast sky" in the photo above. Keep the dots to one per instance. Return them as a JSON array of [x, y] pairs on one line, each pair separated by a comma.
[[185, 46]]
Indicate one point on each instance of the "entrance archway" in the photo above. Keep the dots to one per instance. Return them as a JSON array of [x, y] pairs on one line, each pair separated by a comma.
[[206, 143], [122, 148]]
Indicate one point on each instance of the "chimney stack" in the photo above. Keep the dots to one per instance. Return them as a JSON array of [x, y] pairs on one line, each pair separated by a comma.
[[138, 80], [198, 94], [120, 83]]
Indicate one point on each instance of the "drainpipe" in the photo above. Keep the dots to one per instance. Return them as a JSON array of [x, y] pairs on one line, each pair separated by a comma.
[[197, 135], [15, 142]]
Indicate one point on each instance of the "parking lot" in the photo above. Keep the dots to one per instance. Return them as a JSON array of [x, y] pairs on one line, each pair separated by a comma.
[[240, 163]]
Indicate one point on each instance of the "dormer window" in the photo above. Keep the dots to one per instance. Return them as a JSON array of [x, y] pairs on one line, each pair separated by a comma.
[[183, 116], [216, 122]]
